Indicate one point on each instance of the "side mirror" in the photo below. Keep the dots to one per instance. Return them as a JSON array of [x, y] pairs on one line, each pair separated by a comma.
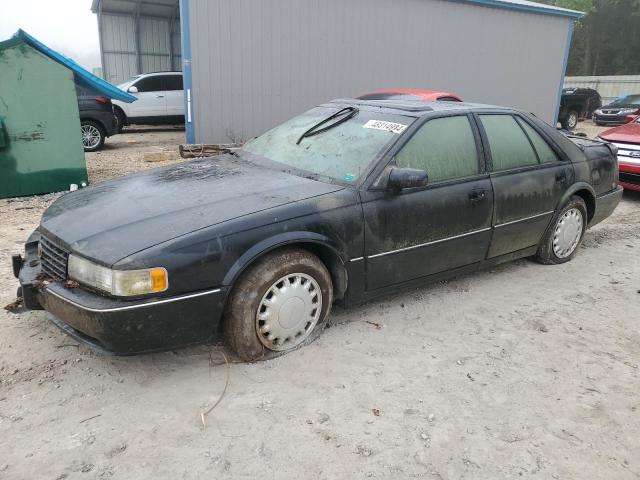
[[631, 118], [132, 89], [404, 178]]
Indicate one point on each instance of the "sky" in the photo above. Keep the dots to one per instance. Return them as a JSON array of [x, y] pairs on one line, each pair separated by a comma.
[[67, 26]]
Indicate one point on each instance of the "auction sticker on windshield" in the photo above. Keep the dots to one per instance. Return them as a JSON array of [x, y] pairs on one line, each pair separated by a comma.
[[382, 125]]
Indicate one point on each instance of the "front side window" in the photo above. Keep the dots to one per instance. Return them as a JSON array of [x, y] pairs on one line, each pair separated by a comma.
[[150, 84], [510, 147], [343, 152], [444, 147]]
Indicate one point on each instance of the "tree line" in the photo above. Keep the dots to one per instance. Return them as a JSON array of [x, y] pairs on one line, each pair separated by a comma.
[[606, 41]]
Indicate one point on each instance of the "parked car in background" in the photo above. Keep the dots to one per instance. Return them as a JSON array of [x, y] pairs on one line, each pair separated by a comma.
[[97, 119], [411, 94], [617, 111], [160, 100], [577, 104], [350, 200], [627, 139]]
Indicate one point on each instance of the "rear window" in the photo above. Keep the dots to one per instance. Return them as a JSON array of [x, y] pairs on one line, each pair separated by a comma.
[[510, 147], [173, 82]]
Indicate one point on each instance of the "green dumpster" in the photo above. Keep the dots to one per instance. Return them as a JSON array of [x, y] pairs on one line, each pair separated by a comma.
[[41, 147]]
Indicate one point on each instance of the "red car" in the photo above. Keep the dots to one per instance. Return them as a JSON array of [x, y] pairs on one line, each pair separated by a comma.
[[627, 139], [411, 94]]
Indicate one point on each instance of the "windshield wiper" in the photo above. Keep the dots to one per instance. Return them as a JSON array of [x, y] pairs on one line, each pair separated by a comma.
[[315, 130]]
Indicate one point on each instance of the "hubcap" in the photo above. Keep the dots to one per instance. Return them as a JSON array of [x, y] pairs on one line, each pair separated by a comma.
[[90, 136], [568, 232], [573, 121], [288, 312]]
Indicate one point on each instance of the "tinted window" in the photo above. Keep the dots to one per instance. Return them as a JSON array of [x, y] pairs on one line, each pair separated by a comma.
[[444, 147], [150, 84], [544, 151], [173, 82], [509, 146]]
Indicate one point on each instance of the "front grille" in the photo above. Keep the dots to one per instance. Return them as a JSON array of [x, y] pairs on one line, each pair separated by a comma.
[[632, 178], [53, 259]]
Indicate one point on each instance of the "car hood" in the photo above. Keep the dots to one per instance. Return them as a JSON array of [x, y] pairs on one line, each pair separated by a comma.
[[628, 133], [619, 106], [112, 220]]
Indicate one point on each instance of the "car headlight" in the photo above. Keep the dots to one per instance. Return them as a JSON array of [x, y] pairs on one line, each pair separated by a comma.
[[626, 111], [598, 111], [120, 283]]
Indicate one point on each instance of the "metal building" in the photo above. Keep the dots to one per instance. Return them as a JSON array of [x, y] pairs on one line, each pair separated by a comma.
[[137, 36], [250, 64]]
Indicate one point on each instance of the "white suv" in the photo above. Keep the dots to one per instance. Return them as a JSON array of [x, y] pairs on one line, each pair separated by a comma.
[[160, 99]]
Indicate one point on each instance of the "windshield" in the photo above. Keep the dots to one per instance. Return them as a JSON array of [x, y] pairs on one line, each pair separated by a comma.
[[342, 152], [627, 100]]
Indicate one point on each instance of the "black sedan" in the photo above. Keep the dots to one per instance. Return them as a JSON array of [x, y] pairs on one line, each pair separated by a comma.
[[616, 112], [348, 201]]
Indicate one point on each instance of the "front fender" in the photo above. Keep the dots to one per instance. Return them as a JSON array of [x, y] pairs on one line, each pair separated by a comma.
[[276, 241]]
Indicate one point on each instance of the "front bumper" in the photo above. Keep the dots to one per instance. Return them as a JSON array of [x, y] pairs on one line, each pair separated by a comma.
[[118, 326], [605, 205], [610, 119], [629, 175]]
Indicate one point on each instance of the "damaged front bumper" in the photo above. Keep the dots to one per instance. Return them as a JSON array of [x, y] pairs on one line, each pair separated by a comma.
[[119, 326]]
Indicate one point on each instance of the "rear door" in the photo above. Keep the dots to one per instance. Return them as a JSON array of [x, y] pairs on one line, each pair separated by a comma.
[[446, 225], [174, 95], [151, 97], [528, 176]]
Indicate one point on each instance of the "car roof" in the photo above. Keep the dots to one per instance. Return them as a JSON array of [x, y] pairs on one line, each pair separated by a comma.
[[422, 93], [414, 108], [175, 72]]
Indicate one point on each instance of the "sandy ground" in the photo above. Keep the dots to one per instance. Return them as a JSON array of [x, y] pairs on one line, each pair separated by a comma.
[[524, 371]]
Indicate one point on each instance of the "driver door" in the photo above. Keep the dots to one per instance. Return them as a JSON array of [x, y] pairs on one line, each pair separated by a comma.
[[445, 225]]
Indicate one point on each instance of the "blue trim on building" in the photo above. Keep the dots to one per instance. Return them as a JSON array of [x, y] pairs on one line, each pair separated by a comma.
[[523, 7], [85, 77], [185, 37], [567, 48]]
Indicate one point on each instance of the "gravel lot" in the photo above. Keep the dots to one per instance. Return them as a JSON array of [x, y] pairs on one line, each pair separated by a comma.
[[524, 371]]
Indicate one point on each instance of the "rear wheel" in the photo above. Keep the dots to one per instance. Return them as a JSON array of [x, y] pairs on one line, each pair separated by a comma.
[[279, 303], [571, 120], [564, 235], [93, 135]]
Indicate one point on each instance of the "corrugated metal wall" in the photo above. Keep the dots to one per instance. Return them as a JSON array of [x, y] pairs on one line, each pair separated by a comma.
[[256, 63], [609, 87], [156, 41]]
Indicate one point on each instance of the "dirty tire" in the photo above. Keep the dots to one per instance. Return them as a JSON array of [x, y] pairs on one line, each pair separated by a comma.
[[546, 253], [240, 319], [122, 119], [570, 122], [93, 135]]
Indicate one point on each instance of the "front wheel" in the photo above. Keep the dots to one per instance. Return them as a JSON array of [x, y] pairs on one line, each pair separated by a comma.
[[121, 118], [564, 235], [279, 303], [93, 135]]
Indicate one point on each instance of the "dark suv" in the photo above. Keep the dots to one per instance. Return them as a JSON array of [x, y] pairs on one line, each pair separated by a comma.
[[577, 104], [97, 119]]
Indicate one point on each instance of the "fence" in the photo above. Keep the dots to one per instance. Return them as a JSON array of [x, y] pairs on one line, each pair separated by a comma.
[[609, 87]]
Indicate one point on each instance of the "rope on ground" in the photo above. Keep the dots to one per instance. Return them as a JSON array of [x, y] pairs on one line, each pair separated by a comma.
[[204, 414]]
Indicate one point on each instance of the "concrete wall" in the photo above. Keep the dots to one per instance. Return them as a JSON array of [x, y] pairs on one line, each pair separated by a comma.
[[255, 62], [609, 87]]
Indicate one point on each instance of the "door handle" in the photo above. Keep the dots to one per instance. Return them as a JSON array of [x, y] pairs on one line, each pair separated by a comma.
[[477, 195], [561, 177], [159, 96]]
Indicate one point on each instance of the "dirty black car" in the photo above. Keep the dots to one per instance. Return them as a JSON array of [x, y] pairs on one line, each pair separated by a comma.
[[348, 201]]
